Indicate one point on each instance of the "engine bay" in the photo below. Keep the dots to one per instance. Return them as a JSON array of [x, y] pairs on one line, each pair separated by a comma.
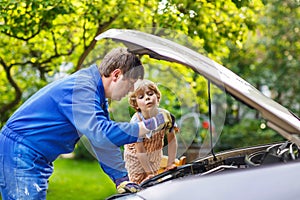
[[231, 160]]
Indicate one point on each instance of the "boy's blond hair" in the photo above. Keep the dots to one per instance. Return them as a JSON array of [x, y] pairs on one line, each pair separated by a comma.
[[139, 86], [126, 61]]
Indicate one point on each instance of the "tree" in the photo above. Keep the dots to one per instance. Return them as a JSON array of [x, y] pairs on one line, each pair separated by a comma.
[[38, 37], [280, 45], [270, 58]]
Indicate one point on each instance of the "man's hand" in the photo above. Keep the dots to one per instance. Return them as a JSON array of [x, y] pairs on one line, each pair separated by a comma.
[[161, 120], [125, 186], [167, 118]]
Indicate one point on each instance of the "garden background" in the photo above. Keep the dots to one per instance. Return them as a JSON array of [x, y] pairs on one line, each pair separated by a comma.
[[42, 41]]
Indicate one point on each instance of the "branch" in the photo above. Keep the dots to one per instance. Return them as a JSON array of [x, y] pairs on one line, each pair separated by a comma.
[[18, 92], [89, 48]]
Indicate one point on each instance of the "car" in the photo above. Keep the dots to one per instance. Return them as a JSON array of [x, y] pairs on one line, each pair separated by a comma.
[[259, 171]]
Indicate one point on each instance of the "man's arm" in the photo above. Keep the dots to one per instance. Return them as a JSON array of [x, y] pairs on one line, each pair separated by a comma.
[[110, 159]]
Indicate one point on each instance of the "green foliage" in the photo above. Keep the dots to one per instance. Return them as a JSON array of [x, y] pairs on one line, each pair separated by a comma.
[[280, 45], [217, 22], [247, 133], [38, 37], [270, 58], [259, 42]]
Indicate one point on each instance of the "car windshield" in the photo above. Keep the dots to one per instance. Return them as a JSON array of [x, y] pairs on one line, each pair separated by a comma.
[[209, 118]]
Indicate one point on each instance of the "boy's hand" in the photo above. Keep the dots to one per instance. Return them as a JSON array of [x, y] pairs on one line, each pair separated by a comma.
[[170, 167], [148, 177]]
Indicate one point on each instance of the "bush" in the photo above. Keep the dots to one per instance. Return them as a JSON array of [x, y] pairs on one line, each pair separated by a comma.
[[246, 133]]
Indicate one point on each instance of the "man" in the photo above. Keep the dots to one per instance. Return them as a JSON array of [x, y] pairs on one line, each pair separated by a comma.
[[52, 121]]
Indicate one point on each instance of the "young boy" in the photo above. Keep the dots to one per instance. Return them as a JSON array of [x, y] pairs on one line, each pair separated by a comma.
[[142, 159], [52, 121]]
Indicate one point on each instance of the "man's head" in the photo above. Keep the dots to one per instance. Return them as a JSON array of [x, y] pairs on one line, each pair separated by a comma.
[[120, 58], [119, 70]]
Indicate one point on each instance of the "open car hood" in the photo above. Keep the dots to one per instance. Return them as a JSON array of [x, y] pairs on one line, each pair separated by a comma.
[[278, 117]]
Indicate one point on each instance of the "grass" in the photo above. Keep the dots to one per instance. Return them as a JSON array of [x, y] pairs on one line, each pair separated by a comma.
[[77, 179]]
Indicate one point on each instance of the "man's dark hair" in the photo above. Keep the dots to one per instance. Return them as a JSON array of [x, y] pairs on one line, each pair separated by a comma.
[[121, 58]]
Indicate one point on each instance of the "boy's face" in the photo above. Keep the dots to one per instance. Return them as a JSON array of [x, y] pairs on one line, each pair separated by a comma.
[[147, 100]]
